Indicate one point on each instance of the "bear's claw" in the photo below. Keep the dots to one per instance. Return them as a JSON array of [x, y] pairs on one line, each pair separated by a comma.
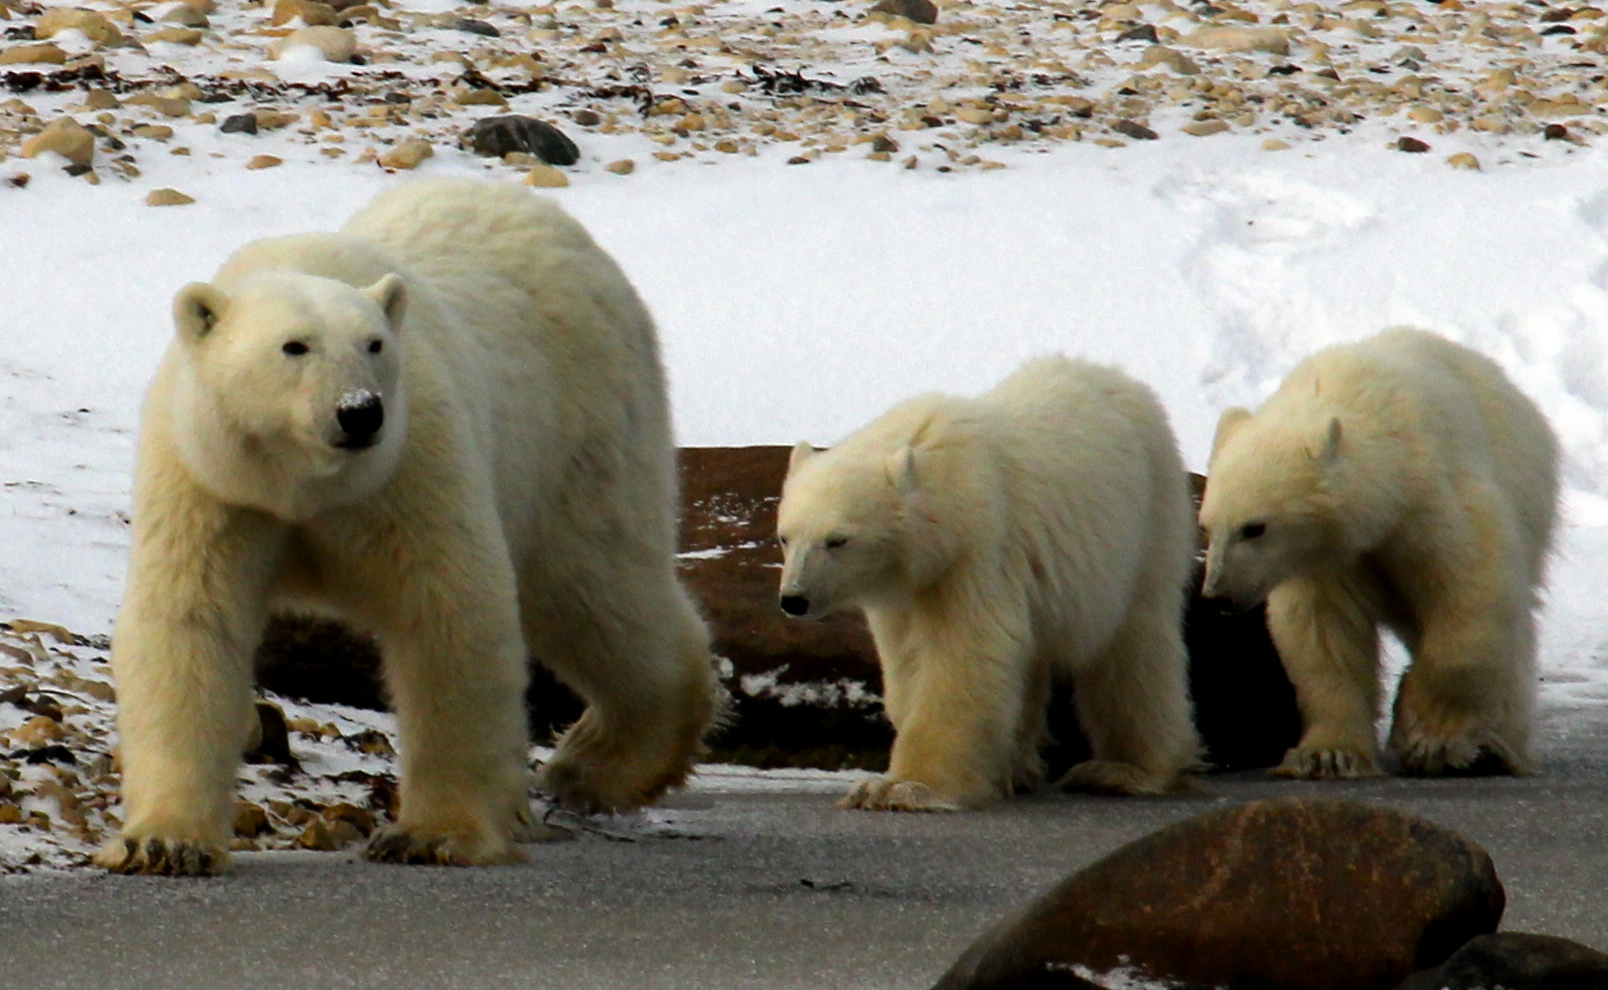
[[1118, 779], [1456, 758], [1326, 764], [162, 857], [588, 788], [396, 844], [882, 794]]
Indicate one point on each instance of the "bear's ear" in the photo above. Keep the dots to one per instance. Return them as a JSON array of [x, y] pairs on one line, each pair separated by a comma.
[[391, 293], [197, 309], [802, 451], [902, 469], [1329, 447], [1232, 419]]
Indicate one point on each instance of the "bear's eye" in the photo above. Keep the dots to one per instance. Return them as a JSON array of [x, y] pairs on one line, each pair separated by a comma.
[[783, 541], [294, 348], [837, 541], [1251, 531], [376, 346]]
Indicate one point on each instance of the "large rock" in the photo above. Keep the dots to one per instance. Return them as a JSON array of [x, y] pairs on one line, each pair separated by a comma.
[[1517, 961], [1294, 894], [808, 693], [804, 693]]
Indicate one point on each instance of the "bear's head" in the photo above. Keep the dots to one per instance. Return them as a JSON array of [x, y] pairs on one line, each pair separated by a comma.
[[837, 525], [288, 391], [1269, 507], [855, 528]]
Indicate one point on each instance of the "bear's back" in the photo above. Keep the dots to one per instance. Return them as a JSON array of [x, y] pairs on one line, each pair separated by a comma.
[[1099, 491], [1509, 432], [1472, 418]]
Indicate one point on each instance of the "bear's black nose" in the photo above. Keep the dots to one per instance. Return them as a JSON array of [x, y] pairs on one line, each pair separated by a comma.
[[795, 605], [360, 416]]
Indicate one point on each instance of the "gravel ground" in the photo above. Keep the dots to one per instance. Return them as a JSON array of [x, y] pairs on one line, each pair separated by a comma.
[[633, 80]]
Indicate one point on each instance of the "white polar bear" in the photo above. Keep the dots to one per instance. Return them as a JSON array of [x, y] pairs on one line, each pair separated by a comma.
[[1042, 529], [1401, 480], [446, 425]]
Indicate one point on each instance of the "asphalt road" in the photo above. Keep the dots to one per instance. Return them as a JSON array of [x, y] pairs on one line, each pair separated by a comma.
[[729, 890]]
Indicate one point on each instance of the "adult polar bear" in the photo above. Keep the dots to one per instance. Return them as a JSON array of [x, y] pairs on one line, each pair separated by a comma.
[[1042, 529], [446, 424], [1400, 480]]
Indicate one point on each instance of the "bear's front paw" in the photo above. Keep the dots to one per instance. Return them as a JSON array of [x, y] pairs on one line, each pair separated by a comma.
[[1302, 763], [1118, 779], [882, 794], [162, 857], [402, 844]]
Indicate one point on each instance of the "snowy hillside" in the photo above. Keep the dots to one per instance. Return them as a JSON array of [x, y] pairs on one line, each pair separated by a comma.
[[798, 300]]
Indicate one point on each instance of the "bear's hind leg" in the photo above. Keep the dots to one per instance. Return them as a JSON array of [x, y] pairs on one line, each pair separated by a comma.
[[1466, 703], [1329, 642], [1133, 703], [642, 664]]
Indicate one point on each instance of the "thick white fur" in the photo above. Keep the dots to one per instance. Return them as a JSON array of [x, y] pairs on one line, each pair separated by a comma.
[[521, 500], [1401, 480], [1042, 529]]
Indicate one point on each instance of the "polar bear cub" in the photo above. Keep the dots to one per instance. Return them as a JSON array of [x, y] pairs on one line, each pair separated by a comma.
[[1400, 481], [993, 543], [446, 425]]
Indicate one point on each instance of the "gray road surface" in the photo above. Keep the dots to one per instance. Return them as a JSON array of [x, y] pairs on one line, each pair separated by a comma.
[[749, 890]]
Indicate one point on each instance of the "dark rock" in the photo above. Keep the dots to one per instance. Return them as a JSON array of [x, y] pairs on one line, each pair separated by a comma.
[[1294, 894], [270, 743], [53, 753], [320, 661], [494, 137], [586, 118], [1411, 144], [473, 26], [1516, 961], [240, 123], [1144, 32], [1134, 129], [1555, 132], [1245, 707], [920, 11]]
